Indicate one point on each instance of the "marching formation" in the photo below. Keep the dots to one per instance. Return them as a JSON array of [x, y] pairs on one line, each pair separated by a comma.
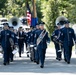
[[36, 40]]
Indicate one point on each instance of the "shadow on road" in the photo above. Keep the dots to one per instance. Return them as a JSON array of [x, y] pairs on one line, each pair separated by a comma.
[[51, 66]]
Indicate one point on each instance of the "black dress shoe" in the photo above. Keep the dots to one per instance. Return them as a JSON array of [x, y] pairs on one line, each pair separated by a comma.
[[59, 59], [37, 62], [56, 58], [34, 61], [42, 66], [11, 60], [65, 60], [4, 63], [68, 62], [31, 59], [27, 55], [19, 55]]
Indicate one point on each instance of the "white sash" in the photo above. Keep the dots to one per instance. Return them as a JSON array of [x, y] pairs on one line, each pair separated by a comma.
[[41, 36]]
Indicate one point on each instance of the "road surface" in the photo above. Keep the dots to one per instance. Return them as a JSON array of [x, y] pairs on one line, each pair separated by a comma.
[[23, 65]]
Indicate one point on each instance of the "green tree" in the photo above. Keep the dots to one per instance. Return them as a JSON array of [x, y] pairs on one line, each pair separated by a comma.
[[72, 11], [50, 13], [69, 9], [3, 7], [51, 9], [17, 7], [47, 10], [38, 7]]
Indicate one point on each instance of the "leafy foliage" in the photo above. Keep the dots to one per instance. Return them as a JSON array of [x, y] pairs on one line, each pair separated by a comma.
[[47, 10]]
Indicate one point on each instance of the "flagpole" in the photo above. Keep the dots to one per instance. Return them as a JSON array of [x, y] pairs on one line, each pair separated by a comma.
[[34, 9], [34, 14]]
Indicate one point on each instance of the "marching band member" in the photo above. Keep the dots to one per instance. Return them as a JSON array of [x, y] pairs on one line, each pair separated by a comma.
[[68, 36], [31, 43], [55, 38], [12, 41], [20, 34], [35, 50], [41, 42], [6, 34], [26, 40]]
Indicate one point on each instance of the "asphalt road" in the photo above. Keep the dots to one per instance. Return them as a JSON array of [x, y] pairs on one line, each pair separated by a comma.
[[23, 65]]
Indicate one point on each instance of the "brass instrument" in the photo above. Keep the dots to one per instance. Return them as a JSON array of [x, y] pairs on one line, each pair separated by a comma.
[[60, 19], [15, 22], [14, 48], [11, 42]]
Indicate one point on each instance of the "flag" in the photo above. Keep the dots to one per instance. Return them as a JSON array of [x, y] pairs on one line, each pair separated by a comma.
[[28, 14]]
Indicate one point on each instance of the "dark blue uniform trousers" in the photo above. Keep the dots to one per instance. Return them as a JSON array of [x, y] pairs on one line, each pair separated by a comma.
[[37, 55], [67, 52], [6, 54], [58, 54], [41, 54], [11, 54], [21, 46]]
